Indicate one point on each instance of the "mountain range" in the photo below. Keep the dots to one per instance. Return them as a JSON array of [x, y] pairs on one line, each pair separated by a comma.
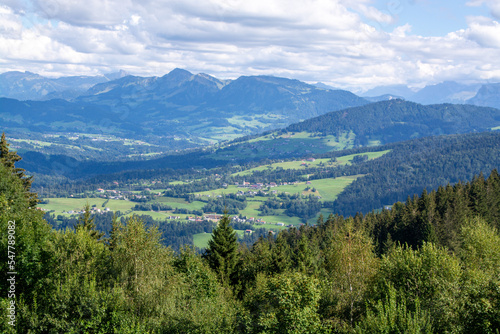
[[487, 95], [184, 110], [197, 108], [32, 86]]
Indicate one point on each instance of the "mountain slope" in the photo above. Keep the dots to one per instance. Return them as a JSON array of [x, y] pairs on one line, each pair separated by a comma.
[[397, 120], [445, 92], [488, 96]]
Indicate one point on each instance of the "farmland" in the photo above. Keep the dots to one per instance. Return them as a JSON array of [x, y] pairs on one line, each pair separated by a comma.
[[305, 163], [325, 190]]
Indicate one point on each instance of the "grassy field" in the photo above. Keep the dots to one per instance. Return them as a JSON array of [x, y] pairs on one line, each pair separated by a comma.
[[303, 164], [201, 240], [342, 142], [371, 155], [58, 205], [328, 189], [66, 204], [231, 189], [282, 218], [180, 203]]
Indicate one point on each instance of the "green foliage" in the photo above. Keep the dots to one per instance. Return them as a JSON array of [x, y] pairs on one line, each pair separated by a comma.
[[33, 237], [350, 264], [429, 276], [285, 303], [392, 316], [142, 265], [480, 298]]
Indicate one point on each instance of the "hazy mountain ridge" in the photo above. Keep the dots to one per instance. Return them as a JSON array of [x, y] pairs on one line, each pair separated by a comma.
[[32, 86], [445, 92], [488, 96]]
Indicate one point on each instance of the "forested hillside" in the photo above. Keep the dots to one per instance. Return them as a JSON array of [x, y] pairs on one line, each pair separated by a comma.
[[398, 120], [431, 265], [415, 165]]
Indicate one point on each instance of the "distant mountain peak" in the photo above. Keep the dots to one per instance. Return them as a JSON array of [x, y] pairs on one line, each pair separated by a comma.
[[179, 73], [116, 75], [324, 86]]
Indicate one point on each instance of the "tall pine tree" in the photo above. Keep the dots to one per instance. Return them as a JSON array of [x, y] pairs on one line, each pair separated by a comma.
[[222, 251]]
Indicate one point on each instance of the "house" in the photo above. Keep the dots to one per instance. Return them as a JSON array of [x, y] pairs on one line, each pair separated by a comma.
[[212, 216], [248, 231], [280, 224]]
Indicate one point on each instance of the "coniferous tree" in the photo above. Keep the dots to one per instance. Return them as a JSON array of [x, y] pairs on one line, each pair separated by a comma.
[[493, 198], [116, 226], [86, 222], [9, 159], [222, 251]]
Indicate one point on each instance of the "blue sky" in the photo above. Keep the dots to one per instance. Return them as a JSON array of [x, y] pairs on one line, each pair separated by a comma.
[[351, 44], [431, 18]]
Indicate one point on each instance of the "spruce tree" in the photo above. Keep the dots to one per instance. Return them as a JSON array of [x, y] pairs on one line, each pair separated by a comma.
[[86, 222], [222, 251], [8, 159]]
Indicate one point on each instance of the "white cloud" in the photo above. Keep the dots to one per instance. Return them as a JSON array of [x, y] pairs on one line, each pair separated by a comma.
[[338, 42], [493, 5], [484, 31]]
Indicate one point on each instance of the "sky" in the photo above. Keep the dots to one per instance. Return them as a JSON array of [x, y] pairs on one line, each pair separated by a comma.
[[349, 44]]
